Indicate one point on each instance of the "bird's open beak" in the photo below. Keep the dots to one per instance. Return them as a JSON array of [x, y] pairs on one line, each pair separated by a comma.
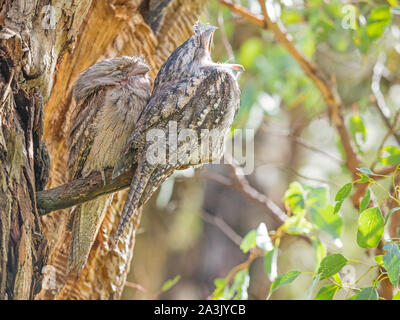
[[237, 69], [206, 37]]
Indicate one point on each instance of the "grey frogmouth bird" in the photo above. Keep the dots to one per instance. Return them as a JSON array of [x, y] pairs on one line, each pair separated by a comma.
[[109, 98], [195, 94]]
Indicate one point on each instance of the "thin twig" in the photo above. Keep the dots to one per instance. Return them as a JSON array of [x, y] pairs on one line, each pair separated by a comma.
[[301, 142], [224, 37], [241, 184], [223, 226]]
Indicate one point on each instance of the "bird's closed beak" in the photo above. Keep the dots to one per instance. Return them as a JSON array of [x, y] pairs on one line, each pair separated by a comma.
[[140, 69], [206, 37]]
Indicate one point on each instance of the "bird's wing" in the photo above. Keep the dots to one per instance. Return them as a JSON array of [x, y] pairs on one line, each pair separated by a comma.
[[198, 95], [215, 102], [82, 132], [167, 100]]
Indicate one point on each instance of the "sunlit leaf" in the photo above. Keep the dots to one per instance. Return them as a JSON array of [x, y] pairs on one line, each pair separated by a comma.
[[365, 200], [283, 279], [341, 195], [170, 283], [390, 155], [327, 292], [297, 225], [370, 228], [344, 192], [294, 197], [357, 130], [320, 252], [249, 241], [379, 260], [326, 220]]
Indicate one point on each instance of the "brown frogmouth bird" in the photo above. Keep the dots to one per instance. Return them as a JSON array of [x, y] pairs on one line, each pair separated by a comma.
[[109, 98], [194, 93]]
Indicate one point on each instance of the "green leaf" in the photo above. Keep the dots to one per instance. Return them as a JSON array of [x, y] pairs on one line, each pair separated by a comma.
[[327, 292], [271, 264], [396, 296], [391, 262], [357, 129], [326, 220], [380, 13], [369, 293], [379, 260], [337, 207], [241, 284], [365, 200], [249, 241], [341, 195], [220, 289], [377, 21], [370, 228], [344, 192], [331, 265], [390, 213], [170, 283], [294, 198], [363, 178], [390, 155], [297, 225], [320, 252], [321, 211], [282, 280], [317, 197]]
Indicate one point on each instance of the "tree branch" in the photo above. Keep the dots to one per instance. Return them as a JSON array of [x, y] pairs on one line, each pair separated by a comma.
[[81, 190]]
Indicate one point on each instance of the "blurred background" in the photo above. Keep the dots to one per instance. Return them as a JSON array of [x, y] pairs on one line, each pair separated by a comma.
[[193, 226]]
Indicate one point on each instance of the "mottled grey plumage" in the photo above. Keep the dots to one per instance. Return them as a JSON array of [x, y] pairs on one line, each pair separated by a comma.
[[193, 92], [109, 98]]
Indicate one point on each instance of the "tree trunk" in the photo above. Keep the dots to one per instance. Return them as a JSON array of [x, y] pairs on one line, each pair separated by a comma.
[[43, 47]]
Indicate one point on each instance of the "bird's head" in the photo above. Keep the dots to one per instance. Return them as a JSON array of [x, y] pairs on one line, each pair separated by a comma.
[[126, 67], [188, 58]]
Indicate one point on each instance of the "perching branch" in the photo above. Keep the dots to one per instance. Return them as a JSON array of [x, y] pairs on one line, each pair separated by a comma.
[[81, 190]]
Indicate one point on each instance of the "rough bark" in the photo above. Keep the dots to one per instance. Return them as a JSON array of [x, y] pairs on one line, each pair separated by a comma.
[[40, 59]]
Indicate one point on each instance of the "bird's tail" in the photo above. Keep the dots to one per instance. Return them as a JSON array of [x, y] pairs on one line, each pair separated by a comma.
[[136, 189], [86, 221]]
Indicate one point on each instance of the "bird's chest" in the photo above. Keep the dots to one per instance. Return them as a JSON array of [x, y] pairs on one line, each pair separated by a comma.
[[116, 122]]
